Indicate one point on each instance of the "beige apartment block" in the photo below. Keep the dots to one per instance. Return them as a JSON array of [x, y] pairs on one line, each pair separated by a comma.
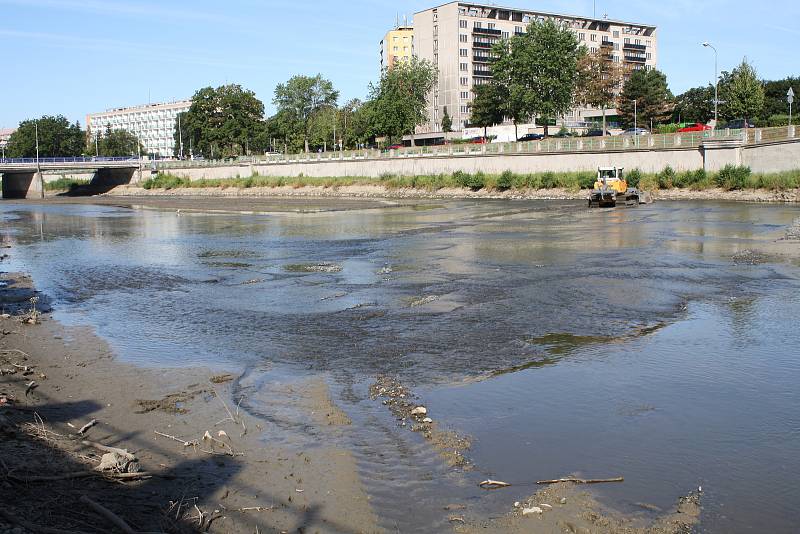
[[457, 37], [153, 124], [397, 46]]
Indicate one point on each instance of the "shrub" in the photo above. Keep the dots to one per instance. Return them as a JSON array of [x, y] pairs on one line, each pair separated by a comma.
[[666, 178], [648, 182], [586, 180], [732, 177], [548, 181], [476, 181], [505, 181], [461, 178], [634, 177]]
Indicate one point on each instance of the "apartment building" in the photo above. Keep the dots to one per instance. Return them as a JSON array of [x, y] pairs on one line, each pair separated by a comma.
[[397, 46], [153, 124], [5, 136], [458, 36]]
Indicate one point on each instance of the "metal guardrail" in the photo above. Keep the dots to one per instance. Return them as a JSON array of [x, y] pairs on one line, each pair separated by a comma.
[[43, 161], [547, 146]]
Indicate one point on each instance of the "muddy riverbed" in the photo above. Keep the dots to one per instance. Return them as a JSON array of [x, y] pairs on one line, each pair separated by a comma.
[[657, 344]]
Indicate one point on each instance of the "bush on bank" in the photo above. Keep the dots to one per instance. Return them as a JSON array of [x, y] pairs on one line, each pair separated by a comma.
[[64, 184], [730, 178]]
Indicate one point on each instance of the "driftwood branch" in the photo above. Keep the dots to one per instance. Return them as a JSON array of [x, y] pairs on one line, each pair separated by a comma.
[[493, 484], [582, 481], [100, 447], [83, 474], [87, 426], [110, 516]]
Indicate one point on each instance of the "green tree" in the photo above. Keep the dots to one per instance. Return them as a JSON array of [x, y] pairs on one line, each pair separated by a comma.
[[695, 105], [538, 70], [114, 144], [222, 122], [302, 97], [647, 95], [401, 97], [487, 107], [57, 138], [775, 96], [447, 122], [365, 124], [599, 82], [743, 93]]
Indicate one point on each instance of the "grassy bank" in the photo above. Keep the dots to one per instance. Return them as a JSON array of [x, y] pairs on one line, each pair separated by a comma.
[[730, 178], [64, 184]]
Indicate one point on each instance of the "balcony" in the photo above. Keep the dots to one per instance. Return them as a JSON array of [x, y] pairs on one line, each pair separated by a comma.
[[482, 72], [607, 57], [637, 47], [482, 45], [482, 58], [487, 31], [607, 44], [636, 59]]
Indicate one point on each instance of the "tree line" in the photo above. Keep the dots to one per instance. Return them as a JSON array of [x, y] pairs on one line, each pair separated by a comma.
[[538, 75]]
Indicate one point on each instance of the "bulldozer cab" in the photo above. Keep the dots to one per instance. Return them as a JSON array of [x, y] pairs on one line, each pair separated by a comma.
[[611, 178]]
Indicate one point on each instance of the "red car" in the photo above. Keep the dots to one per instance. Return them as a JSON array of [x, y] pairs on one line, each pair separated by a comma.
[[696, 127], [396, 147], [479, 140]]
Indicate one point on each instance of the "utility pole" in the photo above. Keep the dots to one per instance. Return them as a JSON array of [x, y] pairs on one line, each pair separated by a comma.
[[38, 166], [716, 82], [96, 145], [180, 135]]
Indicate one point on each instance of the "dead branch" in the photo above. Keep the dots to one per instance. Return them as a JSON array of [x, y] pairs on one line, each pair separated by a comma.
[[190, 443], [110, 516], [493, 484], [82, 474], [582, 481], [30, 387], [100, 447], [87, 426]]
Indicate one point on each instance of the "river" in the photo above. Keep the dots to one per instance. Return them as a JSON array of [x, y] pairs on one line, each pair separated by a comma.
[[650, 343]]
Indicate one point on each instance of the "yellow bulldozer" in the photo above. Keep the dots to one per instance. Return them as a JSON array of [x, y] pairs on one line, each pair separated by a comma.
[[611, 189]]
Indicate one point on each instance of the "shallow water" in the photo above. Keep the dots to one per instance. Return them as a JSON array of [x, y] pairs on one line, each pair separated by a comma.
[[562, 340]]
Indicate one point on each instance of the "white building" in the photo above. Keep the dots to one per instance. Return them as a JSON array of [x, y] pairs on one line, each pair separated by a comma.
[[153, 124], [457, 38], [5, 135]]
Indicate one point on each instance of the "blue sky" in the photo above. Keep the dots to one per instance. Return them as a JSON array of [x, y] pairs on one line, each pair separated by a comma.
[[78, 56]]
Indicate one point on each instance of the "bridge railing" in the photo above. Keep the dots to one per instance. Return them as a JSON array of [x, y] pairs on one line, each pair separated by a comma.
[[44, 161], [688, 140]]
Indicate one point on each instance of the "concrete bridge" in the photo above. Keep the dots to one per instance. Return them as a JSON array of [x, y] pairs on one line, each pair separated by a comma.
[[26, 177]]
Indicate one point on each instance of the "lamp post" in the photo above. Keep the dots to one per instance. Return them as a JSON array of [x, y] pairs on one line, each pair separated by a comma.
[[38, 166], [636, 121], [716, 81], [180, 136]]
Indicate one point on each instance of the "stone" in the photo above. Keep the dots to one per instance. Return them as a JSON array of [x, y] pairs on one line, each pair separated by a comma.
[[516, 504], [419, 410], [427, 420], [563, 500], [534, 510]]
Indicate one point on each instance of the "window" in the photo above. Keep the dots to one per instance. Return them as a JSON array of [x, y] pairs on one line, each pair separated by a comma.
[[463, 52], [593, 50], [464, 109], [396, 49], [649, 55], [463, 67], [464, 81], [594, 37], [581, 36], [627, 40], [616, 35], [465, 95], [616, 46], [518, 29], [638, 41], [505, 35], [478, 24], [462, 38], [462, 24], [491, 25]]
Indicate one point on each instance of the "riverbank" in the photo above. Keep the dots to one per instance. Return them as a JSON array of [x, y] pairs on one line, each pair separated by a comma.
[[202, 461], [370, 191]]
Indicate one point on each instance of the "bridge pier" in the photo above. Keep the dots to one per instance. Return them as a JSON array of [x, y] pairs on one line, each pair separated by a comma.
[[25, 184]]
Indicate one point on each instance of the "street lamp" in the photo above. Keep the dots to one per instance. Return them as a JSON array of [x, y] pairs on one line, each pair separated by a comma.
[[716, 81]]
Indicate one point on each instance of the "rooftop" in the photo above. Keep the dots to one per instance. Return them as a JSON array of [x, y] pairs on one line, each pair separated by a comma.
[[546, 13], [145, 107]]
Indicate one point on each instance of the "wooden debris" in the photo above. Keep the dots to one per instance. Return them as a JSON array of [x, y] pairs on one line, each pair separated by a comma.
[[110, 516], [493, 484], [582, 481], [87, 426]]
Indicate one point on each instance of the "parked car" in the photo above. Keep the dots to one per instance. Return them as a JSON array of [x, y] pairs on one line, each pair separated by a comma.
[[396, 147], [597, 133], [696, 127], [636, 131], [531, 137], [479, 140], [739, 125]]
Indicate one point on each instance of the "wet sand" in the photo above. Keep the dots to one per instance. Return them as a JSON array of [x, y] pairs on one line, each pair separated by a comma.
[[243, 484]]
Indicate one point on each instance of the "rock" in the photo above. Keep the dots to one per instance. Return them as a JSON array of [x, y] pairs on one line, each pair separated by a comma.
[[516, 504], [546, 506], [534, 510], [419, 410], [563, 500], [427, 420]]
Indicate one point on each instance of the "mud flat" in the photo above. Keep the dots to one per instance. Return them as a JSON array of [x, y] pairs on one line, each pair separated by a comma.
[[233, 481]]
